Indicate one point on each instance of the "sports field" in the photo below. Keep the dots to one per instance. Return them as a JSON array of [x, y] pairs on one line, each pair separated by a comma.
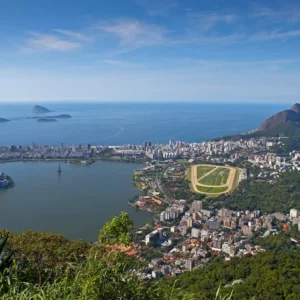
[[213, 180]]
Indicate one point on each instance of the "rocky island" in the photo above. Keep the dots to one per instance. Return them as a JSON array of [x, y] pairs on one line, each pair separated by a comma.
[[37, 109], [46, 120], [2, 120], [63, 116]]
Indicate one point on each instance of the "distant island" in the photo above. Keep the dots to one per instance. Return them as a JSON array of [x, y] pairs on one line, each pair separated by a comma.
[[51, 118], [2, 120], [46, 120], [37, 109]]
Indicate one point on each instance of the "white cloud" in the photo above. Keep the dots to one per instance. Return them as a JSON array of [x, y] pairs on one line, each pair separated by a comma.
[[79, 36], [119, 63], [50, 42], [266, 36], [133, 33], [206, 22], [284, 14]]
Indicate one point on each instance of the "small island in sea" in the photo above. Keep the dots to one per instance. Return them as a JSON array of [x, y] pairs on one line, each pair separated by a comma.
[[37, 109], [46, 120], [5, 181], [63, 116]]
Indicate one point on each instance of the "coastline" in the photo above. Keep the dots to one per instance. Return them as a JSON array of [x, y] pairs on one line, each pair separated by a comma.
[[74, 161]]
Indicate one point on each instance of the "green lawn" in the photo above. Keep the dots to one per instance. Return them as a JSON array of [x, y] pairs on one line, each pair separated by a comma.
[[189, 174], [211, 189], [202, 170], [236, 180], [217, 177]]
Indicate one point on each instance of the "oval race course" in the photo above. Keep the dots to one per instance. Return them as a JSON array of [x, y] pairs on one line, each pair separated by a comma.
[[214, 189]]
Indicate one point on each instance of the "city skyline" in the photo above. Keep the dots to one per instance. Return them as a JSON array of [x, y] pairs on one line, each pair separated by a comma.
[[149, 51]]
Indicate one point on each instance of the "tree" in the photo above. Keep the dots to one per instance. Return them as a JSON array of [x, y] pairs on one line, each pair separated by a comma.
[[117, 230], [42, 255]]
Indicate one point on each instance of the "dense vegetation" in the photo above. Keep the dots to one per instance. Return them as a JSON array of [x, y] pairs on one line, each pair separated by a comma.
[[268, 198], [48, 266], [267, 276], [279, 242]]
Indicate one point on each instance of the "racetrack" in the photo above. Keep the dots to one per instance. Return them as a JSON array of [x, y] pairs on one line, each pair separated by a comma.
[[230, 183]]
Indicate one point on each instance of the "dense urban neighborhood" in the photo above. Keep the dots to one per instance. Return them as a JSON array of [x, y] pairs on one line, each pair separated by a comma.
[[188, 229]]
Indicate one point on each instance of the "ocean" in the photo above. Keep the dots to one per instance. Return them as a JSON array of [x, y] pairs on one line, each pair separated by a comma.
[[131, 123]]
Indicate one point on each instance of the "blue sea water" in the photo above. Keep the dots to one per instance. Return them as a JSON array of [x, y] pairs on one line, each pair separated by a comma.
[[131, 123]]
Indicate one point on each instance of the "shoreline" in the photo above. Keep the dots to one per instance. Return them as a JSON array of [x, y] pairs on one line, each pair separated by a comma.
[[72, 161]]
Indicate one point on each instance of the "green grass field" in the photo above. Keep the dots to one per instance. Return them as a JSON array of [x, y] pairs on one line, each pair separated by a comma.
[[217, 177], [202, 170], [212, 190], [236, 180], [189, 174]]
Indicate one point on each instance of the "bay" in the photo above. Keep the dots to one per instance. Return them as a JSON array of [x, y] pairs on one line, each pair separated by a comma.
[[75, 204]]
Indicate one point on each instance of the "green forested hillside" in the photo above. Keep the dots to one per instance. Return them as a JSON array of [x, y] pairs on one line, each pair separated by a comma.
[[266, 276], [264, 196], [48, 266]]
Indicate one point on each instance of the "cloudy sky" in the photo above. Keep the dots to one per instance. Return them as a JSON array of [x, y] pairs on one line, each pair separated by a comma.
[[150, 50]]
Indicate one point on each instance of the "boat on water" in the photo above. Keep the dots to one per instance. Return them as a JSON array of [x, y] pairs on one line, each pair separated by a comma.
[[59, 169]]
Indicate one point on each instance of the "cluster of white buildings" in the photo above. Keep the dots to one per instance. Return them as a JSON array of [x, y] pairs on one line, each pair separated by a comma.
[[173, 212], [48, 152], [295, 217], [270, 161]]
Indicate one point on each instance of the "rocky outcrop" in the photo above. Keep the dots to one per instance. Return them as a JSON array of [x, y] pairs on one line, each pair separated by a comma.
[[37, 109], [290, 115]]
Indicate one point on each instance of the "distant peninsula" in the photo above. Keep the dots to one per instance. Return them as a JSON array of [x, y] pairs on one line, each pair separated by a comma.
[[37, 109], [2, 120]]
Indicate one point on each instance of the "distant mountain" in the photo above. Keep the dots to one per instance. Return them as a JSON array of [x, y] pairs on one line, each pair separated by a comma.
[[2, 120], [37, 109], [289, 118]]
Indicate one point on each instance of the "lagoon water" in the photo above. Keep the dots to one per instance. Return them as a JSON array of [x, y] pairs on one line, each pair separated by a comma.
[[75, 204]]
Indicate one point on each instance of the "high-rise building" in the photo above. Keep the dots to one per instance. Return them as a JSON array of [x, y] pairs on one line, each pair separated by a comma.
[[197, 206], [145, 145], [294, 213], [189, 263], [195, 233], [189, 222], [217, 243]]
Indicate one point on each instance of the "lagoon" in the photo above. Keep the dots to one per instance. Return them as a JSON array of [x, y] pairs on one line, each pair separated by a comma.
[[75, 204]]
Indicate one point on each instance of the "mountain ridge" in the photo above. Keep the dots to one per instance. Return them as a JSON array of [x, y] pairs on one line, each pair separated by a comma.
[[280, 118]]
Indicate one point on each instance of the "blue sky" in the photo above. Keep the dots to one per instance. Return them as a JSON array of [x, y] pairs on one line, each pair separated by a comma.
[[150, 50]]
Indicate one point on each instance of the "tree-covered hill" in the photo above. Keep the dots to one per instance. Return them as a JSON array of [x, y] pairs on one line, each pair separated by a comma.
[[268, 198], [266, 276]]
